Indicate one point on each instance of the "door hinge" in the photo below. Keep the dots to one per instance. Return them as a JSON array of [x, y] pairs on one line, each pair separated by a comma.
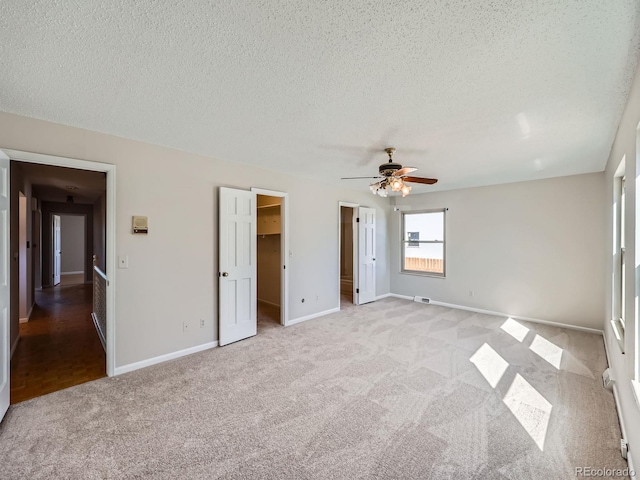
[[358, 220], [284, 267], [357, 290]]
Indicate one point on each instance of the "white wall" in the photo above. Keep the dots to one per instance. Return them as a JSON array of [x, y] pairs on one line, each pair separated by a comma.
[[72, 243], [624, 366], [172, 274], [529, 249]]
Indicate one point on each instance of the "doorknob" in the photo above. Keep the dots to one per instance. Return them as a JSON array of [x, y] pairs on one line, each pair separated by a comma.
[[225, 274]]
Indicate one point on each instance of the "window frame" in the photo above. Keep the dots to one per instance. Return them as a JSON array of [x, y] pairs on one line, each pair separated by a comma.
[[618, 298], [404, 241]]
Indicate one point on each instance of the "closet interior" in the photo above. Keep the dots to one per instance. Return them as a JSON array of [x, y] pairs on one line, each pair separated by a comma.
[[269, 259]]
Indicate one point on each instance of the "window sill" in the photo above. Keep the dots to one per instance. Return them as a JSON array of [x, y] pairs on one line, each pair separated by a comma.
[[618, 332], [423, 274]]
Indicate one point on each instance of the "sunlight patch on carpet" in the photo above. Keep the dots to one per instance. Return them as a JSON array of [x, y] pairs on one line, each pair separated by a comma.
[[515, 329], [547, 350], [490, 364], [530, 408]]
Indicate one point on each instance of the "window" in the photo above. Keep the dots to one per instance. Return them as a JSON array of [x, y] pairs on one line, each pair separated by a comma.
[[623, 266], [423, 242], [414, 238], [619, 286]]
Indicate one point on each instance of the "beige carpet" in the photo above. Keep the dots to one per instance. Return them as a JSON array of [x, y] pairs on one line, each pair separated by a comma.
[[392, 389]]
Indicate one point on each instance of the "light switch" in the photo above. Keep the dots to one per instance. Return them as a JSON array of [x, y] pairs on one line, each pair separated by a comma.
[[123, 261]]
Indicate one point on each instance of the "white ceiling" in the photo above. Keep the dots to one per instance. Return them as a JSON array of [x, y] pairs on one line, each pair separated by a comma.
[[472, 92]]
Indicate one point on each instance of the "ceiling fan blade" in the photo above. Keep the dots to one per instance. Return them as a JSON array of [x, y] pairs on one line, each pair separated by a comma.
[[404, 171], [354, 178], [428, 181]]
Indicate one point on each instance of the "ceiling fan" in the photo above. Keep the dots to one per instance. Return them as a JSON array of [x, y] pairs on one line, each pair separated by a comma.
[[394, 175]]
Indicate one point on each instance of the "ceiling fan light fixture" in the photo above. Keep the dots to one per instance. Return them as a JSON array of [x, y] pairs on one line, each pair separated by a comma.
[[393, 178], [397, 184]]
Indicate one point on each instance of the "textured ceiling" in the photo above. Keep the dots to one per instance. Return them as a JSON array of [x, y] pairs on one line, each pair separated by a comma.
[[473, 92]]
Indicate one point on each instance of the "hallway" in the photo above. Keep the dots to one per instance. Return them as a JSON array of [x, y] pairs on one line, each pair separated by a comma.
[[59, 346]]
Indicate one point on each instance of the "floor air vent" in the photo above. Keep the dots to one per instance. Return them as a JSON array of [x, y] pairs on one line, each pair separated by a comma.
[[607, 379], [422, 299]]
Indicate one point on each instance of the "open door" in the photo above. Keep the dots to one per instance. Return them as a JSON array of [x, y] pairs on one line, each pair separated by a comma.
[[4, 286], [56, 250], [237, 264], [366, 255]]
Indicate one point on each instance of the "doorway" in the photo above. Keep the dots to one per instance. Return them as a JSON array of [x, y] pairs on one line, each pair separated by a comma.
[[357, 254], [60, 345], [72, 249], [238, 238], [24, 310], [269, 257], [348, 255], [9, 243]]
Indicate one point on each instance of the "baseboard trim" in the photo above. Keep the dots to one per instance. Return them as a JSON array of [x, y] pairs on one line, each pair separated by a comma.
[[163, 358], [385, 295], [14, 346], [71, 273], [519, 317], [26, 319], [502, 314], [269, 303], [312, 316], [623, 425], [404, 297]]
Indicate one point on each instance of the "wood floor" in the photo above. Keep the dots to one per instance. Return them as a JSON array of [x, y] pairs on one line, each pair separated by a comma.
[[59, 346]]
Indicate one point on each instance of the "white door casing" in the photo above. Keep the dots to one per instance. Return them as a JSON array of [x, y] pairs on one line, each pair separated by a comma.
[[366, 255], [57, 260], [237, 276], [4, 286], [110, 171]]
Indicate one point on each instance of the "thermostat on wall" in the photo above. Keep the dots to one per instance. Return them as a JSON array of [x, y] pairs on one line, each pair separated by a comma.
[[140, 224]]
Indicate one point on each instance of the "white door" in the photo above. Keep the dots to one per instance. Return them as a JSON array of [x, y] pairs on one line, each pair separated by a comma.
[[4, 285], [238, 266], [366, 255], [56, 250]]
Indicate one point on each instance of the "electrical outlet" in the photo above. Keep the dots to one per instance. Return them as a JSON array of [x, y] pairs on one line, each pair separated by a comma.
[[303, 300], [185, 327], [317, 298], [202, 323], [471, 293]]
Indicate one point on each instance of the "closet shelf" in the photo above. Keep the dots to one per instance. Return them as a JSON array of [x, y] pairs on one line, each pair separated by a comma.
[[269, 206]]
